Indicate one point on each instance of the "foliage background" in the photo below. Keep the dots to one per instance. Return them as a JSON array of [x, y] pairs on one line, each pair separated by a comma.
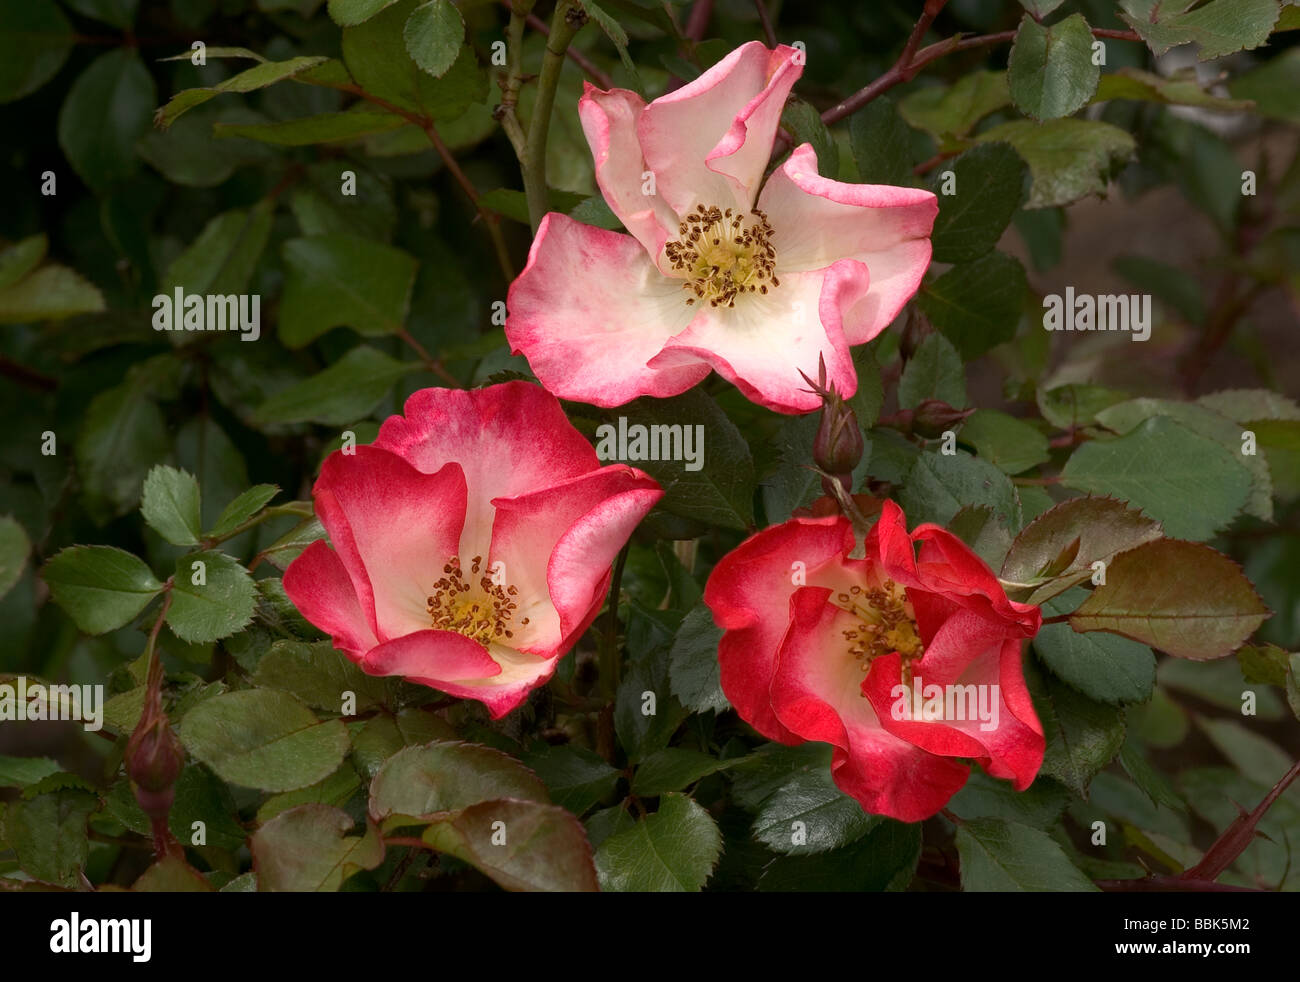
[[367, 298]]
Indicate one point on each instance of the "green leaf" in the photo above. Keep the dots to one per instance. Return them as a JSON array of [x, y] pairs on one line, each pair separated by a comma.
[[882, 144], [953, 111], [673, 769], [1146, 777], [979, 528], [1045, 552], [336, 790], [199, 797], [646, 713], [1181, 89], [673, 850], [810, 814], [940, 485], [1126, 416], [446, 777], [883, 860], [989, 184], [804, 123], [105, 112], [1293, 684], [1074, 405], [343, 281], [321, 128], [576, 777], [14, 549], [1244, 405], [376, 55], [933, 372], [1010, 444], [1082, 735], [244, 507], [693, 673], [171, 874], [321, 209], [1050, 71], [308, 849], [1191, 484], [224, 256], [721, 491], [52, 292], [1040, 8], [1219, 27], [170, 504], [220, 603], [258, 77], [1271, 86], [100, 587], [35, 39], [261, 738], [522, 845], [48, 834], [1007, 857], [1264, 663], [1038, 806], [19, 259], [1256, 757], [977, 305], [343, 393], [1068, 158], [1104, 667], [19, 772], [347, 13], [318, 675], [1181, 597], [433, 35], [614, 31]]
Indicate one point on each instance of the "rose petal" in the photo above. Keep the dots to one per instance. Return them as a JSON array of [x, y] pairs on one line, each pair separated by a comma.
[[817, 221], [393, 528], [709, 141], [763, 342], [557, 545], [590, 310], [319, 585], [817, 694], [609, 120], [749, 594]]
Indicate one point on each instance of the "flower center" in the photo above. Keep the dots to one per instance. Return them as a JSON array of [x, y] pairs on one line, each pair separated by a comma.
[[723, 254], [887, 624], [481, 613]]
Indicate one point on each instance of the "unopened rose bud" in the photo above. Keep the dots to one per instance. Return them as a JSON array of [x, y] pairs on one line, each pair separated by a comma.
[[154, 756], [838, 446], [933, 416]]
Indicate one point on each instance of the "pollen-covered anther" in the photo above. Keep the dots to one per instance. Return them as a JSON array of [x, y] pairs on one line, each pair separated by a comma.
[[887, 623], [485, 615], [723, 254]]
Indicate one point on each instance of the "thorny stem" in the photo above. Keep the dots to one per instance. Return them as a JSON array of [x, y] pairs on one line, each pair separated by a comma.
[[565, 23], [769, 32], [302, 509], [514, 75]]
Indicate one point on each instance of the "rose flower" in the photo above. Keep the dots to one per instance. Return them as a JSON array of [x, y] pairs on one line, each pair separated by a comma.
[[903, 661], [472, 542], [717, 273]]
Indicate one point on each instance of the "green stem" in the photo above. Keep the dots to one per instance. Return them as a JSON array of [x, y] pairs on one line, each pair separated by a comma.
[[563, 29], [302, 509], [609, 660]]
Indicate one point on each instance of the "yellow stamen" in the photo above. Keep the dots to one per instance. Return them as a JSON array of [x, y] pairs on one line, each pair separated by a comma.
[[722, 255]]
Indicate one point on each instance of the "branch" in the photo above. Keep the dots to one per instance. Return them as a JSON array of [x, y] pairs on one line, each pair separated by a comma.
[[565, 23], [769, 32]]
